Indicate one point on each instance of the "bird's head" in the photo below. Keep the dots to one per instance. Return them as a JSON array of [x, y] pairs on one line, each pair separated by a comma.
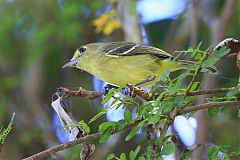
[[78, 56]]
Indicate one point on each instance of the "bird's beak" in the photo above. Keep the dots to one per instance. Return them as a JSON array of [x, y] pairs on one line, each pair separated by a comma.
[[71, 63]]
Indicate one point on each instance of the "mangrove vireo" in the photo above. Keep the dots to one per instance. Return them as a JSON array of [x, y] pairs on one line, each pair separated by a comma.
[[119, 63]]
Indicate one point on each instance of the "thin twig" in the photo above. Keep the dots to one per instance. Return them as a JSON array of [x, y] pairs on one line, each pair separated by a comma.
[[166, 125], [60, 147], [78, 141], [207, 105]]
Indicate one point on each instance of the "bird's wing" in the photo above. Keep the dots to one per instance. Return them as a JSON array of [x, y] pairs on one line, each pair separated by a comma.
[[119, 49]]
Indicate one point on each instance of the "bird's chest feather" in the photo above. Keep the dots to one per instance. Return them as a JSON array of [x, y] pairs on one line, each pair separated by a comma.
[[123, 70]]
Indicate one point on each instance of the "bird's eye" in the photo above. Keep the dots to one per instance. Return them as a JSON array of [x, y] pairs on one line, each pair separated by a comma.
[[81, 50]]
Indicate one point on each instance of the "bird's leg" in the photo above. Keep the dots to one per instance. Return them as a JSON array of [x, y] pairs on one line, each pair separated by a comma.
[[107, 88], [127, 90]]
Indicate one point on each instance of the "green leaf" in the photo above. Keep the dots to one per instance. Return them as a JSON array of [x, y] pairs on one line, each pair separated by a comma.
[[165, 76], [169, 148], [84, 126], [121, 125], [105, 135], [114, 101], [108, 97], [212, 152], [213, 111], [5, 132], [167, 106], [213, 58], [195, 53], [194, 86], [178, 101], [110, 156], [238, 113], [187, 154], [134, 130], [174, 88], [158, 100], [97, 116], [131, 155], [137, 150], [141, 158], [123, 156], [105, 125], [149, 152], [224, 148], [153, 119], [226, 158], [127, 116], [233, 92]]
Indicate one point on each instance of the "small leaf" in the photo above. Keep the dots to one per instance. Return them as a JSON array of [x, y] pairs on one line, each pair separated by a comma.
[[213, 111], [213, 58], [134, 130], [195, 53], [106, 134], [153, 119], [141, 158], [110, 156], [127, 116], [137, 150], [107, 97], [178, 101], [226, 158], [132, 155], [167, 106], [165, 76], [233, 92], [84, 126], [169, 148], [212, 152], [132, 133], [97, 116], [103, 126], [123, 156], [158, 100], [149, 152], [174, 88], [121, 125], [194, 86], [238, 113], [114, 101], [224, 148]]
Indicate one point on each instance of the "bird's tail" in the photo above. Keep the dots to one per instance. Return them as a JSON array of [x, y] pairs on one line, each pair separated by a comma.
[[191, 65]]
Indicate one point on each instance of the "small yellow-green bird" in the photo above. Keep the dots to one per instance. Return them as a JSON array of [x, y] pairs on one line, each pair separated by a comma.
[[120, 63]]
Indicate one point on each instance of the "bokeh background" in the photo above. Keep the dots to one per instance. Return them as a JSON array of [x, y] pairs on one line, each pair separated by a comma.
[[38, 37]]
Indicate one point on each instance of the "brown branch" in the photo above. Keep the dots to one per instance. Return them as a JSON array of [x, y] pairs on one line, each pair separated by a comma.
[[207, 91], [207, 105], [140, 92], [60, 147], [66, 145], [81, 93]]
